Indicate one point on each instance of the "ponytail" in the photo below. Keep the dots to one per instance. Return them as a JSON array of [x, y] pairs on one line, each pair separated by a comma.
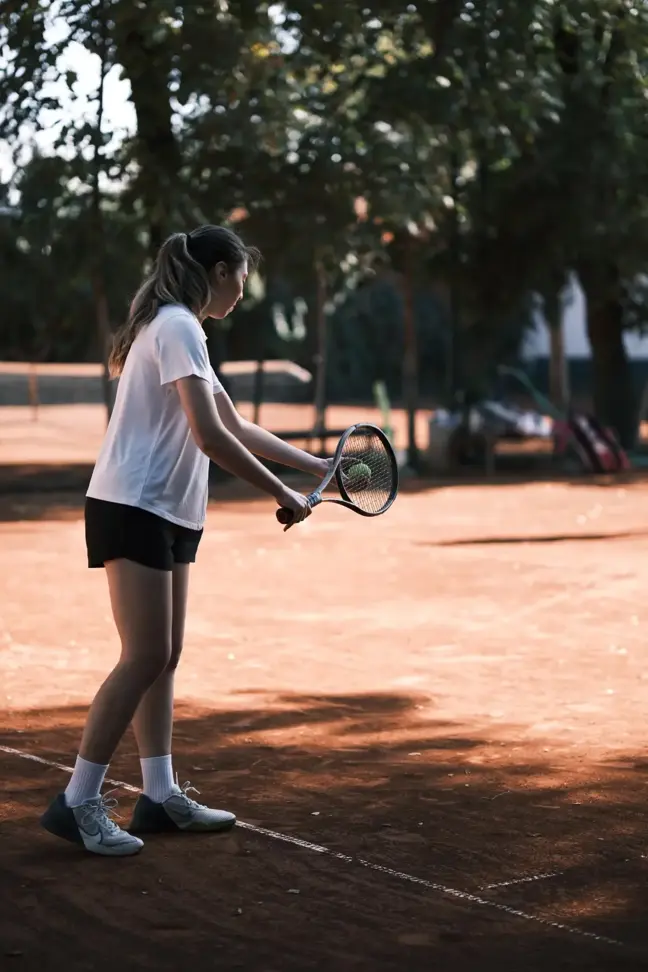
[[180, 275], [176, 278]]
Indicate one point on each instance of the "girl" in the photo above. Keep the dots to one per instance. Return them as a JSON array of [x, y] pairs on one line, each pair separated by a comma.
[[144, 515]]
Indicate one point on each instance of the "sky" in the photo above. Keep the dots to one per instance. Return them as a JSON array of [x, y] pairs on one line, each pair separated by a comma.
[[119, 117], [118, 111], [119, 114]]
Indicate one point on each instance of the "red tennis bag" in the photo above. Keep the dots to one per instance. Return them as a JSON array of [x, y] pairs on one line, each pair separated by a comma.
[[596, 446]]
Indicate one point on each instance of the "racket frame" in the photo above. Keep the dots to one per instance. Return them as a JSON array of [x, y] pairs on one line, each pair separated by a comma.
[[315, 498]]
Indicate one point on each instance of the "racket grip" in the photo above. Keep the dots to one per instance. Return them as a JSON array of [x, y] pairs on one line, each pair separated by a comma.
[[286, 516]]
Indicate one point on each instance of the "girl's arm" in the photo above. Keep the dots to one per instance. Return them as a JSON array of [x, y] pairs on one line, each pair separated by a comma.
[[262, 443], [216, 441]]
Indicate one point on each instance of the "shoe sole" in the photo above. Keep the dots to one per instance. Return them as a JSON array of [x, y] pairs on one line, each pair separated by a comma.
[[103, 850], [170, 827], [152, 818], [49, 823], [223, 828]]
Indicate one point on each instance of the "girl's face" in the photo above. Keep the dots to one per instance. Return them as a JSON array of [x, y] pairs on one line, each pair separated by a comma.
[[226, 290]]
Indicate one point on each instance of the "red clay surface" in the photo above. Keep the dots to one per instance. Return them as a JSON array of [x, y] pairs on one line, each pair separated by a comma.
[[55, 434], [455, 691]]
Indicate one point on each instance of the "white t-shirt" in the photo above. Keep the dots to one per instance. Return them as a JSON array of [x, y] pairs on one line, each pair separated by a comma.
[[149, 457]]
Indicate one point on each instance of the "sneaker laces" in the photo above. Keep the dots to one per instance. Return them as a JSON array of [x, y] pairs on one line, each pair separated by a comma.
[[184, 792], [102, 812]]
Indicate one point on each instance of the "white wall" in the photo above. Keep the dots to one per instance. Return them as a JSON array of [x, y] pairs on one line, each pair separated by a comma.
[[536, 344]]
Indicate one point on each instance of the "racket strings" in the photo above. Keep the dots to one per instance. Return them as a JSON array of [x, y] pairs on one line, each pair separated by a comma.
[[368, 471]]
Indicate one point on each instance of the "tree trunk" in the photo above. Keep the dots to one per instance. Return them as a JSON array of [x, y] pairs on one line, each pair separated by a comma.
[[102, 314], [105, 338], [320, 355], [558, 366], [147, 65], [410, 358], [453, 374], [258, 391], [615, 397]]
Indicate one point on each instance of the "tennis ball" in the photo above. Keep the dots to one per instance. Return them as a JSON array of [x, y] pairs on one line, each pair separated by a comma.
[[358, 476]]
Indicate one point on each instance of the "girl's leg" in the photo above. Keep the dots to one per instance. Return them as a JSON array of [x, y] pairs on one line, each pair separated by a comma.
[[164, 806], [141, 600], [142, 607], [153, 720], [141, 604]]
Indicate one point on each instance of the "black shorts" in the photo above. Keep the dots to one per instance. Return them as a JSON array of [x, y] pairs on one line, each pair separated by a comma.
[[114, 531]]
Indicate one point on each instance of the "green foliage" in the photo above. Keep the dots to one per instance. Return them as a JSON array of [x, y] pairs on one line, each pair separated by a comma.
[[483, 149], [366, 341], [47, 253]]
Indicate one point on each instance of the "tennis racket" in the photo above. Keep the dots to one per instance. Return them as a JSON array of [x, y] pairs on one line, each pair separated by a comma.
[[365, 471]]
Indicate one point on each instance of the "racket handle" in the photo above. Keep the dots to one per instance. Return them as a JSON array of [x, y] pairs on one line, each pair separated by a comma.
[[286, 516]]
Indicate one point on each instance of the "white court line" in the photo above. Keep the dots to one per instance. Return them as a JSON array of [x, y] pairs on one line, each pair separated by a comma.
[[524, 880], [551, 601], [449, 892], [529, 608]]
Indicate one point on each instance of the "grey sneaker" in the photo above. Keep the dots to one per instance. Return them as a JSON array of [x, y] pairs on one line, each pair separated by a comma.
[[91, 825], [179, 812]]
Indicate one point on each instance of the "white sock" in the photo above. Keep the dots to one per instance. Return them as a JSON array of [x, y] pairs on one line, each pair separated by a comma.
[[86, 782], [157, 777]]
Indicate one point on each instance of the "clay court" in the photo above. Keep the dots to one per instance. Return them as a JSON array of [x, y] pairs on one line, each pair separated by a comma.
[[432, 726]]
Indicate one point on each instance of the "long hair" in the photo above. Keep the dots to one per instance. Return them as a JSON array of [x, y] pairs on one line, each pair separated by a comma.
[[180, 275]]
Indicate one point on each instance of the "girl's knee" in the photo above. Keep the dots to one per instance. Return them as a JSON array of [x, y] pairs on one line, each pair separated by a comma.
[[145, 668], [174, 658]]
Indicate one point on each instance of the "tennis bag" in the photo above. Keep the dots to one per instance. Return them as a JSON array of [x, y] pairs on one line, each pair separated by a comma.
[[596, 446]]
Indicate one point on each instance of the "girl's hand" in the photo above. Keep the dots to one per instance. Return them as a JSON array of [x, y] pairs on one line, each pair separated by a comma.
[[297, 504]]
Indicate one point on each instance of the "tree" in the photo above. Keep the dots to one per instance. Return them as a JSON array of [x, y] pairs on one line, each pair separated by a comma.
[[541, 112], [480, 152], [605, 82], [47, 251]]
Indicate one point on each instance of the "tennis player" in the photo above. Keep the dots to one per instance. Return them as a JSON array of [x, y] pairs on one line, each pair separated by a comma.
[[144, 515]]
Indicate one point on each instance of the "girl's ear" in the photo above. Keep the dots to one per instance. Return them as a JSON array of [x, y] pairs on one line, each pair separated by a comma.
[[220, 272]]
